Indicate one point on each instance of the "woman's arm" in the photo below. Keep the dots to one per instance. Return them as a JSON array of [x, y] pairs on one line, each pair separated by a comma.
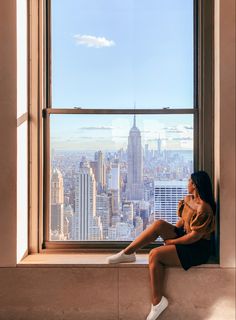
[[180, 223], [191, 237]]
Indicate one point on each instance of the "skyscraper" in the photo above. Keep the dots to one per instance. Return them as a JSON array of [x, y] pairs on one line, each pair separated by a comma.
[[57, 205], [100, 171], [115, 186], [123, 231], [103, 210], [128, 212], [115, 175], [135, 164], [57, 188], [138, 226], [146, 153], [86, 226], [166, 197], [159, 146], [68, 220]]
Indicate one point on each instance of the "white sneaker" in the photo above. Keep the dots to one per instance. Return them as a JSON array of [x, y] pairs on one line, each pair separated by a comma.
[[121, 257], [157, 309]]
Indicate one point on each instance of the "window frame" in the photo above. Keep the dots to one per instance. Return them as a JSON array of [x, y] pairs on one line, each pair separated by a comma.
[[202, 113]]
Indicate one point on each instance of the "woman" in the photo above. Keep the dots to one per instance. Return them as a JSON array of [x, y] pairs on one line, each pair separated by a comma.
[[187, 244]]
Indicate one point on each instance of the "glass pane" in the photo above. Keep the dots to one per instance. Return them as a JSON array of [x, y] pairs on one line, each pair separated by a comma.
[[121, 53], [114, 175]]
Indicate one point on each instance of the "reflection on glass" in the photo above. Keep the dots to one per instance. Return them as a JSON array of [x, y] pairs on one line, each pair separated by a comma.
[[114, 54], [113, 176]]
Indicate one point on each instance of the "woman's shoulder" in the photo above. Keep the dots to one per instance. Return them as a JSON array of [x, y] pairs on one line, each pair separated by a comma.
[[204, 207], [188, 198], [203, 219]]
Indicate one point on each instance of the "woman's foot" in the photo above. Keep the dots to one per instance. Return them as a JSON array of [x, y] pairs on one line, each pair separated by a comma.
[[157, 309], [121, 257]]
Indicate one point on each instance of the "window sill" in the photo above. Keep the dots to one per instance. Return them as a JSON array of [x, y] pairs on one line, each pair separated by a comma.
[[88, 260]]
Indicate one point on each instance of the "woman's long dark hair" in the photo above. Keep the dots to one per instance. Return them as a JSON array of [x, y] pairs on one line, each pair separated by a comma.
[[203, 184]]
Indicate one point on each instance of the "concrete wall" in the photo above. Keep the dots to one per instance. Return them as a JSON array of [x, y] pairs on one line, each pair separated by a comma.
[[113, 293]]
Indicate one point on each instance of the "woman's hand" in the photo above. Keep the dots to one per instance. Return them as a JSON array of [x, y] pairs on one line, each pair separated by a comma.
[[169, 241], [188, 238]]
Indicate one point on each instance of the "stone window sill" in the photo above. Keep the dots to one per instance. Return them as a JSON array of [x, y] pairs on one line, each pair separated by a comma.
[[82, 260]]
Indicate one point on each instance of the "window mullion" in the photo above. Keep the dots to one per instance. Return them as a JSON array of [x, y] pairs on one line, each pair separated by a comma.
[[118, 111]]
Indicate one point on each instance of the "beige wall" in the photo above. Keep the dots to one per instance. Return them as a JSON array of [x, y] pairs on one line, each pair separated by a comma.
[[8, 133], [225, 143], [114, 294]]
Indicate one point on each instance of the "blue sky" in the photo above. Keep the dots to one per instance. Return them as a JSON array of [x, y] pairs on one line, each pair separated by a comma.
[[117, 53], [144, 53]]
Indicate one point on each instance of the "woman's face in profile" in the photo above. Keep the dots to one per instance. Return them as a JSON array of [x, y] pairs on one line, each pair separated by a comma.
[[191, 186]]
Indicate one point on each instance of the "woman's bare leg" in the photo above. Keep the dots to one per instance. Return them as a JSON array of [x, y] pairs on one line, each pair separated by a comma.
[[158, 259], [158, 228]]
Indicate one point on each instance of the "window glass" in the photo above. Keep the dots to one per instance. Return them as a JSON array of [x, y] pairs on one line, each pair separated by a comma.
[[121, 53], [113, 175]]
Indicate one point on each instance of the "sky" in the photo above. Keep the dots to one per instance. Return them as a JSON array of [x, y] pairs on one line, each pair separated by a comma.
[[117, 54], [110, 132]]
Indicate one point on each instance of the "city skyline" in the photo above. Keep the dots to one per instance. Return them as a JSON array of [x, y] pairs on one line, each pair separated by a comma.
[[110, 132], [114, 196]]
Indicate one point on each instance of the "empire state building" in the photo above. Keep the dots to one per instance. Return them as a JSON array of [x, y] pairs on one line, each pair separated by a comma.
[[135, 164]]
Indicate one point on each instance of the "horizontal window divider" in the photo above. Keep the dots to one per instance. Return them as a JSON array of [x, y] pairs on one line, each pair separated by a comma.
[[49, 111], [98, 246]]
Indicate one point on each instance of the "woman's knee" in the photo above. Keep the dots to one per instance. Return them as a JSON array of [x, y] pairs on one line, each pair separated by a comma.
[[154, 256], [159, 223]]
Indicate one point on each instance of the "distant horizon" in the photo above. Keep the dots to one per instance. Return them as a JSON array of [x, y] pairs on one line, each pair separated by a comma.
[[111, 132], [90, 151]]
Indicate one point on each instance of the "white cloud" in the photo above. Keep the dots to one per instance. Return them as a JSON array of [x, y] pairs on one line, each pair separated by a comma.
[[92, 41]]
